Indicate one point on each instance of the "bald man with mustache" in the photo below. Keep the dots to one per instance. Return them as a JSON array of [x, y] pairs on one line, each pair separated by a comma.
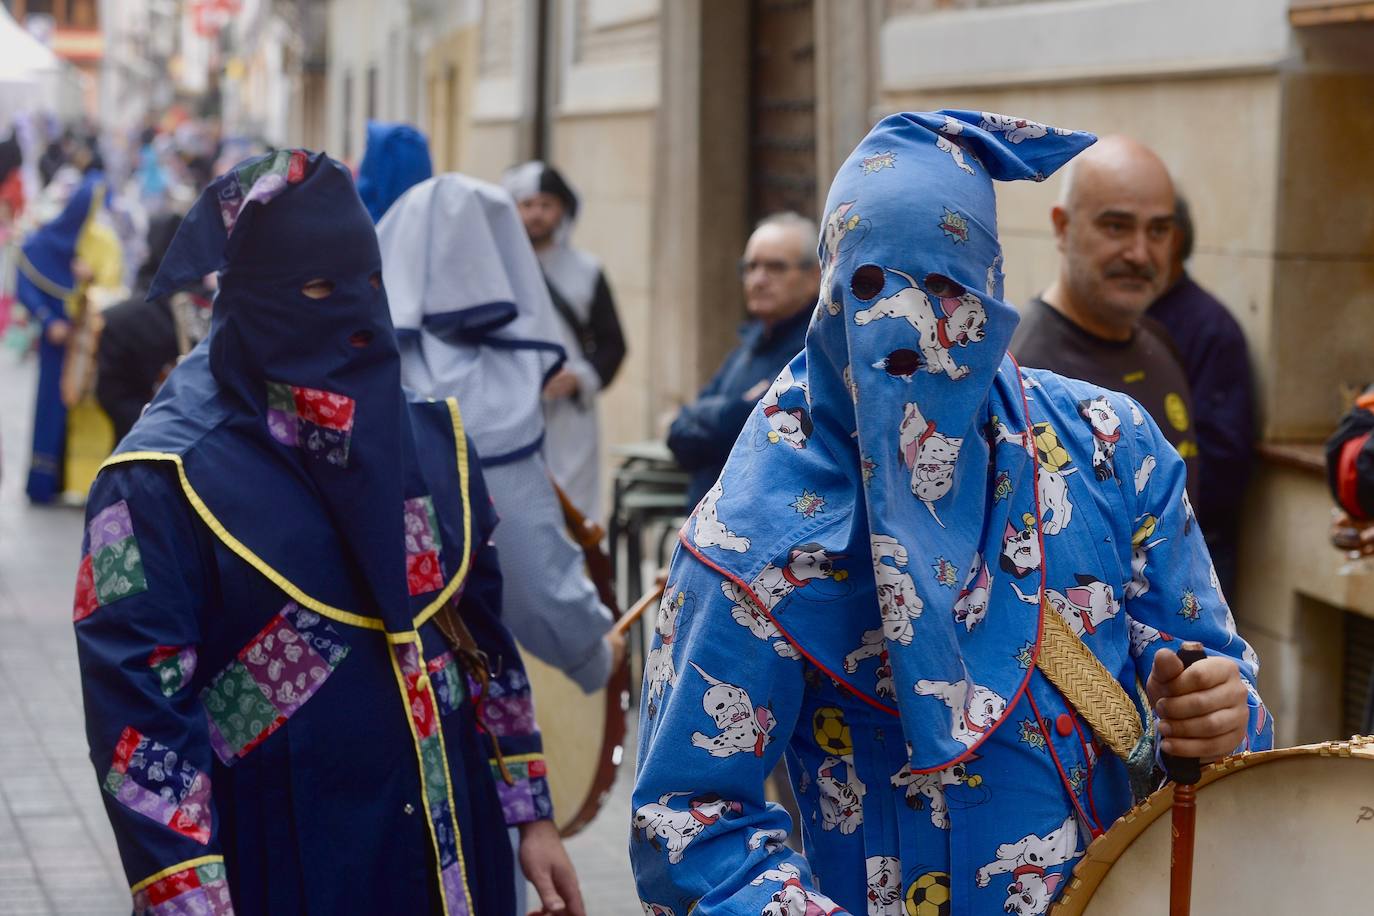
[[1114, 228]]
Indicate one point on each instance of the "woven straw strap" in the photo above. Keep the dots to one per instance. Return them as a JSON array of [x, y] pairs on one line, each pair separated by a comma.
[[1090, 687]]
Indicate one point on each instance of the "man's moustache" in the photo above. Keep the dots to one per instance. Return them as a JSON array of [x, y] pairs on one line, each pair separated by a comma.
[[1139, 273]]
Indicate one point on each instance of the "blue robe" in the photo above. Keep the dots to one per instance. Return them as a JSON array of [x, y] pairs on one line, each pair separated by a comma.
[[862, 594], [45, 268]]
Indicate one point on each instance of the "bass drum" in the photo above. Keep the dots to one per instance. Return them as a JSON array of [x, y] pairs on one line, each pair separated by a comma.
[[1285, 831], [583, 734]]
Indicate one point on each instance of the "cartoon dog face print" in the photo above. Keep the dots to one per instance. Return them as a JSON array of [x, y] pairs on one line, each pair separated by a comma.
[[1142, 635], [884, 886], [972, 604], [656, 909], [1017, 129], [1085, 607], [792, 899], [1106, 430], [897, 598], [950, 321], [1189, 517], [931, 456], [742, 727], [840, 223], [1021, 548], [1027, 860], [1054, 466], [953, 128], [924, 789], [1141, 545], [842, 795], [790, 424], [710, 531], [974, 709], [676, 829], [806, 563], [659, 672]]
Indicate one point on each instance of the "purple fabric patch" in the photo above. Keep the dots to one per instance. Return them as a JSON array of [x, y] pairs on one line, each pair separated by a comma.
[[454, 892], [508, 717], [110, 526], [517, 802], [287, 670], [284, 427], [146, 802]]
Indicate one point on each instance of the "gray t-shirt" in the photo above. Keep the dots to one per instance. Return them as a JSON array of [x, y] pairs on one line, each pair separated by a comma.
[[1146, 367]]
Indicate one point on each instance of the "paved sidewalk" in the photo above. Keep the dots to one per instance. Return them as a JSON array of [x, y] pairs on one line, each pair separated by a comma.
[[57, 852]]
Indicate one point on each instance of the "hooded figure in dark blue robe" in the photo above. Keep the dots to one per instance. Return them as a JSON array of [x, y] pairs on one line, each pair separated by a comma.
[[396, 160], [285, 590], [44, 282]]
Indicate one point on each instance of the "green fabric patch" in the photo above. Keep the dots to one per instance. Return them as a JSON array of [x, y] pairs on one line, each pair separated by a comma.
[[435, 772], [280, 397], [118, 571], [238, 706]]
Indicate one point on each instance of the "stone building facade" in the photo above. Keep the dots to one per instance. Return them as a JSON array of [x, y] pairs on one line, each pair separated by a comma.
[[682, 120]]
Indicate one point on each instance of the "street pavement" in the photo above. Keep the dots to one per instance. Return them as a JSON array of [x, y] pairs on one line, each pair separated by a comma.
[[57, 852]]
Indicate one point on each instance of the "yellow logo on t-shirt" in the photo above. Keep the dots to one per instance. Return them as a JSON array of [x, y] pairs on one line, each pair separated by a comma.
[[1176, 411]]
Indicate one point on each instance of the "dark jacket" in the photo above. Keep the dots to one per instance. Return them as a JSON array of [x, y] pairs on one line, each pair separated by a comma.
[[705, 430]]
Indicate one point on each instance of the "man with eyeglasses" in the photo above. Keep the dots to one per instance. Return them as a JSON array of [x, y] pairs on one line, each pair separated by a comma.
[[780, 276], [1114, 227]]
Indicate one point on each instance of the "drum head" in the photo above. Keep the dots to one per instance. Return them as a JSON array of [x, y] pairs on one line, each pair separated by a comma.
[[573, 725], [1289, 831]]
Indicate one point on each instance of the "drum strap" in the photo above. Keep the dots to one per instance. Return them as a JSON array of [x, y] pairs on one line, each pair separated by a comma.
[[477, 666], [1097, 696]]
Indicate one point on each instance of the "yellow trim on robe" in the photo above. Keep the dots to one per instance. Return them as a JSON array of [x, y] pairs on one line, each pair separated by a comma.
[[424, 684], [290, 588], [174, 869]]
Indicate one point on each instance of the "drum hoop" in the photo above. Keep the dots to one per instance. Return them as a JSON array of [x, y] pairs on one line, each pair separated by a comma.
[[1104, 851]]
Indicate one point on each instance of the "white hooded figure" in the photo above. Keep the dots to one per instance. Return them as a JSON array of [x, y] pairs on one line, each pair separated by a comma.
[[588, 329]]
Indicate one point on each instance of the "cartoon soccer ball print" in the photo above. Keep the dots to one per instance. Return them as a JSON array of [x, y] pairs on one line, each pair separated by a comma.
[[929, 895], [831, 731]]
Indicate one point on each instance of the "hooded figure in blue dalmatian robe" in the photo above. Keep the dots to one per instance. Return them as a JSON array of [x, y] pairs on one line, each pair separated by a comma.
[[275, 717], [861, 593]]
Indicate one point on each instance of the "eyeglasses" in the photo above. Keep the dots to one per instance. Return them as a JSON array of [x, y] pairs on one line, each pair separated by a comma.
[[771, 268]]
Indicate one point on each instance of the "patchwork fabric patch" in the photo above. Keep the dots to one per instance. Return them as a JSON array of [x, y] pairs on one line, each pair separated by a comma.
[[173, 666], [421, 686], [529, 799], [260, 182], [507, 710], [447, 679], [153, 780], [199, 891], [318, 422], [112, 567], [270, 680], [423, 570]]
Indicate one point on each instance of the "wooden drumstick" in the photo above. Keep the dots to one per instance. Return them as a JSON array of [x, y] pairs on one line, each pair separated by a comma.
[[1185, 772], [651, 597]]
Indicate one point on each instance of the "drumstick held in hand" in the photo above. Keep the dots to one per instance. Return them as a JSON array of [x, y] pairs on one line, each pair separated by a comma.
[[1185, 772], [651, 597]]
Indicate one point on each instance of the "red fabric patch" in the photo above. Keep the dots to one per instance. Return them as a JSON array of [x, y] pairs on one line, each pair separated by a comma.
[[324, 408], [187, 827], [173, 886], [162, 653], [538, 768], [421, 707], [295, 171], [124, 749], [423, 573], [85, 603]]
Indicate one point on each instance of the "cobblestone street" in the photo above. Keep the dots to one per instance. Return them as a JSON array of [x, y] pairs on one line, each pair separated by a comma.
[[57, 852]]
